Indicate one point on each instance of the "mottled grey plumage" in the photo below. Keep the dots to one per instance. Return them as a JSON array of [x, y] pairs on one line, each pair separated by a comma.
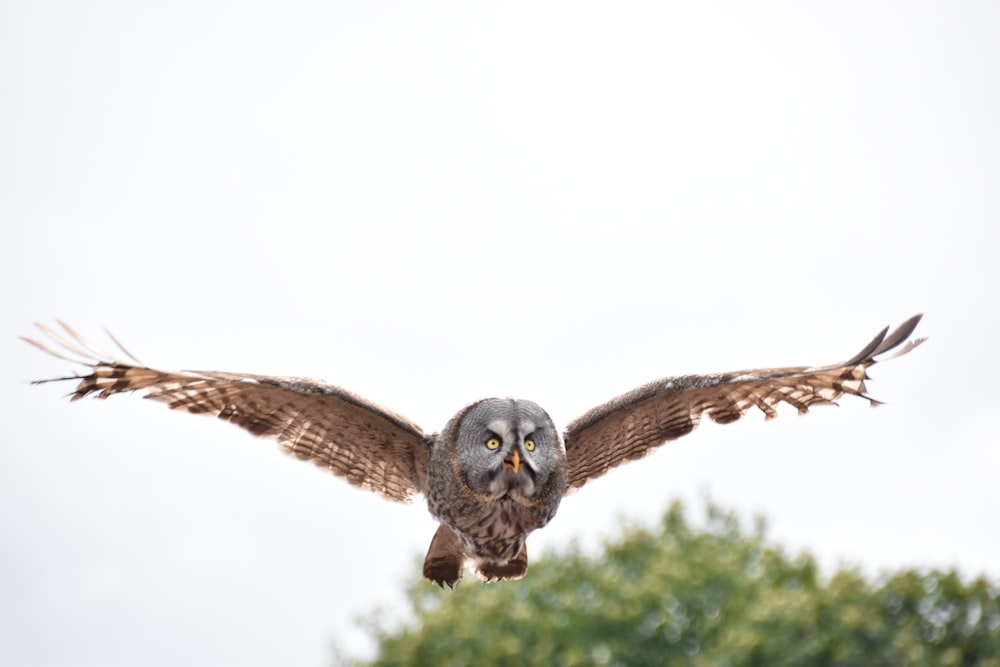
[[492, 498], [500, 467]]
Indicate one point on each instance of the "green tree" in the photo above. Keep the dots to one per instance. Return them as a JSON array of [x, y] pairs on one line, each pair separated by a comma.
[[712, 596]]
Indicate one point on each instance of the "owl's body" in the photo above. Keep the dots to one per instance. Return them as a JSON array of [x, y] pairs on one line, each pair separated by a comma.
[[500, 467], [492, 497]]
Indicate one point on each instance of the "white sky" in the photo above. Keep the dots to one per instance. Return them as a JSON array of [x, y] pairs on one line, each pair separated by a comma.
[[429, 203]]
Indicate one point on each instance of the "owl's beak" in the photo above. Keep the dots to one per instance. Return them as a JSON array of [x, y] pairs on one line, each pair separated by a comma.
[[514, 461]]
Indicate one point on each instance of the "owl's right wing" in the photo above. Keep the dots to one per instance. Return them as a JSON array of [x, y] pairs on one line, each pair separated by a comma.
[[632, 425], [355, 439]]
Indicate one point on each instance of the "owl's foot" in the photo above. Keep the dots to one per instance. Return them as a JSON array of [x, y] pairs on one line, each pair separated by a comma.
[[445, 559], [515, 568]]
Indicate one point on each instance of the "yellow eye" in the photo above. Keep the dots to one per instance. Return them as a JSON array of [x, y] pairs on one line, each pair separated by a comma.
[[529, 445], [492, 443]]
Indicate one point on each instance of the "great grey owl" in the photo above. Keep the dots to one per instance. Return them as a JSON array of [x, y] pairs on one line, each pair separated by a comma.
[[500, 467]]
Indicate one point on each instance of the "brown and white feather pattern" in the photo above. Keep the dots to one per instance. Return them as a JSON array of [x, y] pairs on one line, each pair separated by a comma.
[[366, 444], [374, 448], [632, 425]]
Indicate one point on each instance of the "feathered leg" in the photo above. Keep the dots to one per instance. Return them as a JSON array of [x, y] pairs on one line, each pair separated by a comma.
[[445, 559], [515, 568]]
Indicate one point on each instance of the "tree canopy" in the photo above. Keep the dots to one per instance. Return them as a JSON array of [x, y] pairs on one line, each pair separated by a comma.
[[715, 595]]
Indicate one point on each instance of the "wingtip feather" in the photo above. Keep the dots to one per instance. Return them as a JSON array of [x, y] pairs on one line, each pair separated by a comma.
[[886, 341]]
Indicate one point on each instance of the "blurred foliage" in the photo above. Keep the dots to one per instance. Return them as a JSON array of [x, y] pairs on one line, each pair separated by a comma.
[[712, 596]]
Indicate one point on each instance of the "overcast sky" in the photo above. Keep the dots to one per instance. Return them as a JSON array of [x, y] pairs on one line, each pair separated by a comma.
[[430, 203]]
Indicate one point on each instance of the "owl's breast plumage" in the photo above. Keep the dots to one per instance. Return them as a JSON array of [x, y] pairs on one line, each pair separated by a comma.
[[493, 529]]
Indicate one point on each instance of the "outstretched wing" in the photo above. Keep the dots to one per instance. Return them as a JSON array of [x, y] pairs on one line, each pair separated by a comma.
[[351, 437], [630, 426]]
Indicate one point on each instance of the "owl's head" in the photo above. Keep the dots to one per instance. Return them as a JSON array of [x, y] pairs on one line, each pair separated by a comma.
[[510, 446]]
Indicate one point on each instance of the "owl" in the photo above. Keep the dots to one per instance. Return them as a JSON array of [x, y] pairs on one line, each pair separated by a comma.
[[500, 467]]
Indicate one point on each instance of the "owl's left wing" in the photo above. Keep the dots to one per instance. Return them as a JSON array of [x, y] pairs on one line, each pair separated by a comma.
[[366, 444], [630, 426]]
